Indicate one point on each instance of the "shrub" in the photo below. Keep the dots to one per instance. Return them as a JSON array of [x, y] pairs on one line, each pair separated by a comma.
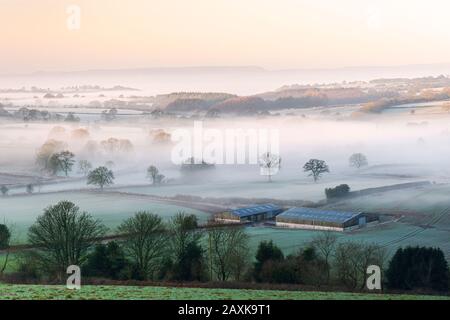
[[267, 251], [284, 271], [337, 192], [108, 261]]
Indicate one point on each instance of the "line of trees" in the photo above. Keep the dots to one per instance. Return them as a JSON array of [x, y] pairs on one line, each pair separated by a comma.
[[53, 158], [149, 248], [270, 163], [101, 176]]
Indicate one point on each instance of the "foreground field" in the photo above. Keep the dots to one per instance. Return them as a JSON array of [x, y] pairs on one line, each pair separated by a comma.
[[31, 292], [391, 236], [111, 209]]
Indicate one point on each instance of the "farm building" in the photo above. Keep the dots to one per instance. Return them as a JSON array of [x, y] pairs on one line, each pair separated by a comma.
[[250, 214], [316, 219]]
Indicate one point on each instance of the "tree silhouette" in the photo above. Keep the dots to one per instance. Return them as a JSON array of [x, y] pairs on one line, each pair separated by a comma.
[[101, 177], [316, 168]]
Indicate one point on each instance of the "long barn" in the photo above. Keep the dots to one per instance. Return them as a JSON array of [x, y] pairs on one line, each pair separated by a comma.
[[316, 219], [250, 214]]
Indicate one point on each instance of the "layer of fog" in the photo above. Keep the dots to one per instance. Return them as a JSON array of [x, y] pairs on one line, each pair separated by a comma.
[[397, 152]]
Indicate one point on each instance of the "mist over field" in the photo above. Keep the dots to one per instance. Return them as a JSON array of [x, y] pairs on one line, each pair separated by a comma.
[[388, 141], [194, 142], [173, 149]]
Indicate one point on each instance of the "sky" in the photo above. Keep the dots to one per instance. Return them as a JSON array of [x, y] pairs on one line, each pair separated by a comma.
[[46, 35]]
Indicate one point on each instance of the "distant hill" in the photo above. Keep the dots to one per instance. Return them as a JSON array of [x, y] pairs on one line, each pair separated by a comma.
[[189, 101], [342, 73], [144, 71]]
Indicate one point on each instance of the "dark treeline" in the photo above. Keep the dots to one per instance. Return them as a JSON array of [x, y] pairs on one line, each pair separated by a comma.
[[180, 250], [284, 99], [31, 114]]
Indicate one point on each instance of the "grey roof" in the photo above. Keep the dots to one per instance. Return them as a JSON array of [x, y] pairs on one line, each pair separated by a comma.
[[249, 211], [312, 214]]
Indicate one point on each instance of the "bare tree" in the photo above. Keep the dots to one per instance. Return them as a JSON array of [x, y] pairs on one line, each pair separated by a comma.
[[316, 168], [325, 244], [84, 167], [352, 260], [269, 164], [347, 264], [146, 241], [228, 251], [64, 236], [358, 160], [372, 254]]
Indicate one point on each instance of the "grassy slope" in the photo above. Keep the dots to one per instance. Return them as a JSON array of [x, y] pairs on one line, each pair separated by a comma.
[[109, 208], [163, 293]]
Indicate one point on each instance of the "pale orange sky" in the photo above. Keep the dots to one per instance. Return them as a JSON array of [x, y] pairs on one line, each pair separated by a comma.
[[274, 34]]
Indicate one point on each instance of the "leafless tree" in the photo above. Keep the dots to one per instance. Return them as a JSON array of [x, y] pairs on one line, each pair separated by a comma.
[[146, 241], [347, 264], [228, 251], [64, 236], [84, 167], [372, 254], [352, 260], [325, 244]]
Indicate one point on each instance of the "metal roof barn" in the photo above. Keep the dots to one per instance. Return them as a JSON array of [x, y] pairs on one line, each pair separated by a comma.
[[251, 211], [250, 214], [310, 218]]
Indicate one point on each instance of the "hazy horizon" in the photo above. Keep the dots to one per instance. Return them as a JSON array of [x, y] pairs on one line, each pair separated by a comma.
[[219, 68], [278, 35]]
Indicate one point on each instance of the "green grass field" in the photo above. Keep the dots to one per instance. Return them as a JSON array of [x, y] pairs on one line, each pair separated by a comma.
[[293, 240], [32, 292], [111, 209]]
